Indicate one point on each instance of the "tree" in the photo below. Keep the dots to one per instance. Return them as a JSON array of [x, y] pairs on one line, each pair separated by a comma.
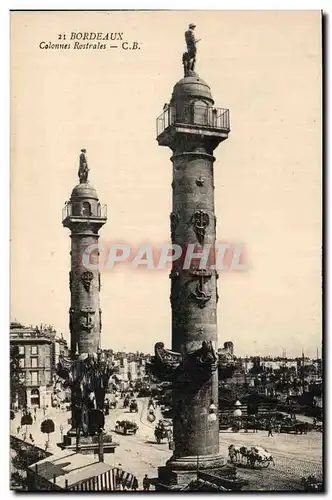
[[47, 427], [16, 385]]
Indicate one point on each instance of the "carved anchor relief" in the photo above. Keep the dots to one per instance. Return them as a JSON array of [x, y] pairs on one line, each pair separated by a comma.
[[86, 279], [87, 319], [174, 218], [200, 220], [201, 294]]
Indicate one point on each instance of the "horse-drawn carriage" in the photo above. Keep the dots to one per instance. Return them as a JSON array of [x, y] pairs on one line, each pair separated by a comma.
[[162, 431], [126, 427], [296, 427], [250, 456]]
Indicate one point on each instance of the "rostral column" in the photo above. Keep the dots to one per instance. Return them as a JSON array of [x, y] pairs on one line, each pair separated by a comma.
[[84, 216], [192, 127]]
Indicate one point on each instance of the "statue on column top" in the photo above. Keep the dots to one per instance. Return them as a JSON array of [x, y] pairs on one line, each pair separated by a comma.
[[189, 57], [83, 171]]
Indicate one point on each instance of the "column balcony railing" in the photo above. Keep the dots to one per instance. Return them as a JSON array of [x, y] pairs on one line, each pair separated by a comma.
[[194, 114], [84, 210]]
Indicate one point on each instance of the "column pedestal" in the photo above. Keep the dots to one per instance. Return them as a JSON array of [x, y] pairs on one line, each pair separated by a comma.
[[178, 472]]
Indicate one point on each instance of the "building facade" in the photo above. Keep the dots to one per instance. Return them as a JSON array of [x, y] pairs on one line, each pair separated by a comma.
[[39, 349]]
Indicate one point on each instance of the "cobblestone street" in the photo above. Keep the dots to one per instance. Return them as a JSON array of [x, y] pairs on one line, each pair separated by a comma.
[[295, 455]]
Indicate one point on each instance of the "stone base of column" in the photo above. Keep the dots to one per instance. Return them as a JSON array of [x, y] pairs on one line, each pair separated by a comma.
[[88, 445], [179, 472]]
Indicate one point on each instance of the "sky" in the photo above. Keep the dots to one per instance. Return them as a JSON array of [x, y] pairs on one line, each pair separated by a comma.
[[265, 67]]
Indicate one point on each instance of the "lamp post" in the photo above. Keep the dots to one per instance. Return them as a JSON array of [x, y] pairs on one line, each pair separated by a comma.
[[61, 432]]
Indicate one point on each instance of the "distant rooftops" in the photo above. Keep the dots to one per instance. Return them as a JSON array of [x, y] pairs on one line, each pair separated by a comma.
[[19, 331]]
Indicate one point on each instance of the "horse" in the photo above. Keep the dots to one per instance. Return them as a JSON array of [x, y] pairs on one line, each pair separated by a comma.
[[245, 453], [234, 453]]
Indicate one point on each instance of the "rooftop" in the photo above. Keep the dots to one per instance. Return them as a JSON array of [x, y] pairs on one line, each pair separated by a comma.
[[67, 468]]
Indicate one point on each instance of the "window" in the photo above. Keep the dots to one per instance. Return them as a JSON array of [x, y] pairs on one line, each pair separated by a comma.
[[35, 399], [86, 209], [22, 363], [21, 350], [34, 350], [76, 208], [34, 378], [34, 362]]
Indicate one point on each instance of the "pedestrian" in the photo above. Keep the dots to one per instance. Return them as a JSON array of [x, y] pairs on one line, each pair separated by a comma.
[[35, 410], [270, 428], [18, 429], [31, 437], [146, 483], [135, 484]]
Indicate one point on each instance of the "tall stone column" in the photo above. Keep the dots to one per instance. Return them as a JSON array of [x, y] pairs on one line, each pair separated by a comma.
[[192, 127], [84, 216]]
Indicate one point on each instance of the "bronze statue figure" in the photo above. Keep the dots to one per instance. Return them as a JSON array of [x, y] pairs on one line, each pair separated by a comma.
[[189, 57], [83, 171]]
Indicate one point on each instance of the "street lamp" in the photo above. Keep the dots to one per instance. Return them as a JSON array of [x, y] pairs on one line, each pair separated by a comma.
[[212, 417], [61, 431]]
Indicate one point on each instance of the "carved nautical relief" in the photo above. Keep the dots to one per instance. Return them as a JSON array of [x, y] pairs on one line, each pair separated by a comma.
[[86, 279], [200, 181], [81, 319], [200, 220], [87, 319], [201, 294], [174, 219], [177, 368]]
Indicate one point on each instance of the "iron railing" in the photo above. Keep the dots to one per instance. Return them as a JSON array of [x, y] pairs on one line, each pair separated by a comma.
[[194, 114], [84, 210]]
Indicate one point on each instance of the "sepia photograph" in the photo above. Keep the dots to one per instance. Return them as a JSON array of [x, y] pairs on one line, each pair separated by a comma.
[[166, 329]]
